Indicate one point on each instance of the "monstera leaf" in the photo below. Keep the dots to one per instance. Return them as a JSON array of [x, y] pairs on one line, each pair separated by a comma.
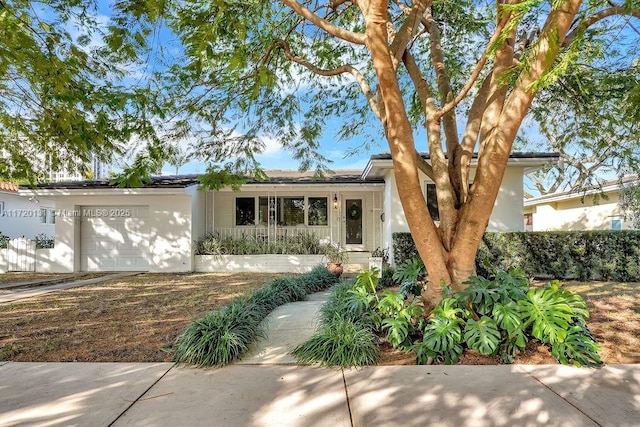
[[482, 335], [578, 348], [548, 313]]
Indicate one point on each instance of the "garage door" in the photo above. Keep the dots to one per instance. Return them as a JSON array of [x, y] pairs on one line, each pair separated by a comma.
[[114, 238]]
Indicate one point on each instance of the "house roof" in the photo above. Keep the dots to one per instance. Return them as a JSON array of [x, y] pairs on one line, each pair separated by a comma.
[[8, 187], [290, 177], [380, 163], [282, 177], [605, 187]]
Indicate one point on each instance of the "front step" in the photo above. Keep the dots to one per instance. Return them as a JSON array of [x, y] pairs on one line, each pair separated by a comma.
[[357, 262]]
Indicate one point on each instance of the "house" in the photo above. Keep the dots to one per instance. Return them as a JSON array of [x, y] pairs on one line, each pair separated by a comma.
[[597, 208], [25, 216], [102, 228]]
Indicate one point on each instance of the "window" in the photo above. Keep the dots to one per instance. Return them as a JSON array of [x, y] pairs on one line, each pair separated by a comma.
[[1, 208], [290, 211], [282, 211], [245, 211], [616, 223], [318, 211], [266, 210], [43, 215], [432, 201], [52, 216]]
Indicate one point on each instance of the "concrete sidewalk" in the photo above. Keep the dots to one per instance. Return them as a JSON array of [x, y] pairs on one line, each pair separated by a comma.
[[147, 394]]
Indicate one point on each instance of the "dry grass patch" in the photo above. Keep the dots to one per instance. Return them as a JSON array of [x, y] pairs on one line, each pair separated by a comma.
[[132, 319], [615, 318]]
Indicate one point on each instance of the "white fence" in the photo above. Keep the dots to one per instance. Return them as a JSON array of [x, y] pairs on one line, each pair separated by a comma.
[[272, 233], [20, 255]]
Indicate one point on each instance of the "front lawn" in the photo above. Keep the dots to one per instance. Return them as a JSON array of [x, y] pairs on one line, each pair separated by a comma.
[[132, 319]]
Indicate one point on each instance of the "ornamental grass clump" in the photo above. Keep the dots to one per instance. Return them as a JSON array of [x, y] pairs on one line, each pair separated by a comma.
[[224, 335]]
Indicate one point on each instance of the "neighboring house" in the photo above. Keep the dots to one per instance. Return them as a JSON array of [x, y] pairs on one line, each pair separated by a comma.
[[597, 208], [25, 216], [103, 228]]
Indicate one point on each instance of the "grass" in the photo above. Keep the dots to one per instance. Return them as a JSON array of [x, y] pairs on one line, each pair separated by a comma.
[[133, 319], [136, 319]]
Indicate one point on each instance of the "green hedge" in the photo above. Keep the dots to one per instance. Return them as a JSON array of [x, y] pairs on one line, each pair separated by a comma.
[[581, 255]]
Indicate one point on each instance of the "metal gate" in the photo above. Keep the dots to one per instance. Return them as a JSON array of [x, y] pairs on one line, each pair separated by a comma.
[[21, 255]]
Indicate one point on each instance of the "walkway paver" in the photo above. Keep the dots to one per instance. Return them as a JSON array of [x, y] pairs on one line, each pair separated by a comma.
[[609, 395], [286, 327], [68, 394], [18, 294], [243, 396], [452, 396]]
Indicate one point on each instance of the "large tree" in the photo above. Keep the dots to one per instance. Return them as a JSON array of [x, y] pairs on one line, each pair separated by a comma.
[[289, 68]]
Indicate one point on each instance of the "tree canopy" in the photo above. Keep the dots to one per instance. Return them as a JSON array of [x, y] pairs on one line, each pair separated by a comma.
[[449, 78], [64, 94]]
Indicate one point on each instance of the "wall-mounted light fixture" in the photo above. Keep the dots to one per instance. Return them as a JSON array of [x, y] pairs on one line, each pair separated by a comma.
[[335, 201]]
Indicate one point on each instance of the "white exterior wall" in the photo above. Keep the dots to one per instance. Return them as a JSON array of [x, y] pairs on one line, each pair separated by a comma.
[[573, 214], [507, 212], [22, 217], [169, 224]]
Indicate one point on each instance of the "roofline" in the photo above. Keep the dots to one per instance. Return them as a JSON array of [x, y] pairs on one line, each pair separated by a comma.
[[608, 186], [532, 159], [93, 191]]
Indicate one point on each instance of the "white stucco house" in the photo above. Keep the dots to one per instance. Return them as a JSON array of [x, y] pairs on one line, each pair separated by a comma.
[[102, 228], [597, 208], [25, 216]]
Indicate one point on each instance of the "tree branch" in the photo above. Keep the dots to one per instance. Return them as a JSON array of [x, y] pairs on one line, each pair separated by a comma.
[[476, 72], [587, 22], [344, 69], [425, 167], [341, 33], [406, 32]]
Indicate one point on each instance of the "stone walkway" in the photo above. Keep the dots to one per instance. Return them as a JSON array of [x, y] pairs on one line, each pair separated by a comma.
[[286, 327]]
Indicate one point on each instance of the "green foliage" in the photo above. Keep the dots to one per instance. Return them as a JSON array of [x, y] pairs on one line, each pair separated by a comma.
[[301, 244], [223, 336], [344, 342], [410, 274], [563, 255], [441, 340], [43, 241], [499, 316], [220, 337], [64, 97], [4, 241]]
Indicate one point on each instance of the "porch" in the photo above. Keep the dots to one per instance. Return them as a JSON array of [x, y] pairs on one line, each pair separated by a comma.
[[287, 228]]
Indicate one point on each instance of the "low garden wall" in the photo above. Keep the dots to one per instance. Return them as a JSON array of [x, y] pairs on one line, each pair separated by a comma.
[[581, 255], [257, 263]]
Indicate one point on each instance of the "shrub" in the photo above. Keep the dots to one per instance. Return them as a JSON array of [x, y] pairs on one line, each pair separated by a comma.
[[565, 255], [224, 335], [43, 241], [4, 241], [301, 244], [499, 316]]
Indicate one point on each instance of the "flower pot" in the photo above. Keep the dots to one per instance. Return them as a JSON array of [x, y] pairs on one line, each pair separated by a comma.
[[336, 268]]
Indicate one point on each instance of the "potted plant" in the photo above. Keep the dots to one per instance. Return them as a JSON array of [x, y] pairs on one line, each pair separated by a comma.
[[335, 258]]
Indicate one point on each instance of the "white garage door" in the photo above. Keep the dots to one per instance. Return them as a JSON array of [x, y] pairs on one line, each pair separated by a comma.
[[114, 238]]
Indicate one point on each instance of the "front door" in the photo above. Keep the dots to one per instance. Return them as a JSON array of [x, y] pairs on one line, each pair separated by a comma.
[[353, 223]]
